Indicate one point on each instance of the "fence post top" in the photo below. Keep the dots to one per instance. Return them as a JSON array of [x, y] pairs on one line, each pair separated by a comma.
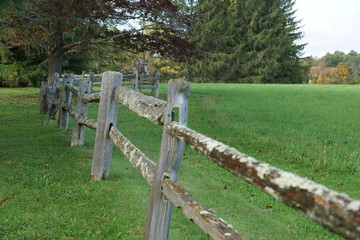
[[112, 73], [179, 85], [56, 75], [110, 78]]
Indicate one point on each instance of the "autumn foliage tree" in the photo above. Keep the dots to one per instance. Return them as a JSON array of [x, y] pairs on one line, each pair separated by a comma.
[[60, 26], [321, 74], [343, 71]]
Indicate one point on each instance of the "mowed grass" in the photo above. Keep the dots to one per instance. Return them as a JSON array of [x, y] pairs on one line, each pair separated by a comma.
[[46, 192]]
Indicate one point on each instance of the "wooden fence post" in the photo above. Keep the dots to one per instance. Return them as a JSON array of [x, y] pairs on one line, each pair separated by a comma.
[[78, 133], [92, 78], [65, 97], [53, 97], [107, 116], [44, 102], [155, 91], [171, 151], [136, 79], [59, 96]]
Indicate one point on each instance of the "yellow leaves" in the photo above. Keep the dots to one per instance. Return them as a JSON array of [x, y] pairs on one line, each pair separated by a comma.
[[321, 74], [343, 70], [171, 70]]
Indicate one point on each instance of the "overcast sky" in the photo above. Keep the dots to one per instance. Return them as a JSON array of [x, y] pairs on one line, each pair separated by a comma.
[[329, 25]]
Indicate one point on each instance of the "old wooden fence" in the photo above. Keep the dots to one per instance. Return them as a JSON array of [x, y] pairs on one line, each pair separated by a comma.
[[136, 81], [335, 211]]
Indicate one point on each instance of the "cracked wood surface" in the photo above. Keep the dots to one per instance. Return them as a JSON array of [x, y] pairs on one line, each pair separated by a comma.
[[137, 158], [216, 227], [159, 211], [148, 107], [107, 117], [204, 218], [335, 211], [78, 132]]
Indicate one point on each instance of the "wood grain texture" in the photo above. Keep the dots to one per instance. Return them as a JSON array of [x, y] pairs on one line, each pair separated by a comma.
[[137, 158], [145, 106], [335, 211], [107, 116], [171, 151], [78, 132], [65, 98], [204, 218]]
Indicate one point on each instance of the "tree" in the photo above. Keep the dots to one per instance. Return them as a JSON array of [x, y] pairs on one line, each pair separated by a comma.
[[58, 26], [20, 67], [249, 41], [353, 60], [332, 60], [343, 70]]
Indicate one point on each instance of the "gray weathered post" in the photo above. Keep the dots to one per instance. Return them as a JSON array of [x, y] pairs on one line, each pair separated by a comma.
[[65, 98], [44, 102], [171, 151], [53, 96], [155, 91], [92, 78], [107, 116], [136, 79], [78, 133]]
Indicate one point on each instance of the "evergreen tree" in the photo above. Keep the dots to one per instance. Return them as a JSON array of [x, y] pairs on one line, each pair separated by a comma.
[[247, 41]]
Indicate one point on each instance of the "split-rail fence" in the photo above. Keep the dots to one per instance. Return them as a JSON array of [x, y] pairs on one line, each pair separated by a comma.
[[137, 81], [335, 211]]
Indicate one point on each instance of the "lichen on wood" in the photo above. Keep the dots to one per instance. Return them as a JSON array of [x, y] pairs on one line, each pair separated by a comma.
[[148, 107], [91, 97], [88, 122], [159, 211], [72, 89], [204, 218], [137, 158], [335, 211], [67, 107], [107, 117]]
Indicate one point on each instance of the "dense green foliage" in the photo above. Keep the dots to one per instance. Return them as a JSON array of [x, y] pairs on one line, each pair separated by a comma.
[[352, 59], [46, 193], [247, 41], [21, 67]]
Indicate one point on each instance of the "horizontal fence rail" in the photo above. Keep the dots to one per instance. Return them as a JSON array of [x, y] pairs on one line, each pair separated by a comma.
[[91, 97], [335, 211], [137, 80], [148, 107], [137, 158]]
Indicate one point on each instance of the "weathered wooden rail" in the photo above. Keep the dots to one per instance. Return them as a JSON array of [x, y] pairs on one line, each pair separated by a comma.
[[335, 211]]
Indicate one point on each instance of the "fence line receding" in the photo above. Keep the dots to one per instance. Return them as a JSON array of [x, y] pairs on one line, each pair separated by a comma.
[[335, 211]]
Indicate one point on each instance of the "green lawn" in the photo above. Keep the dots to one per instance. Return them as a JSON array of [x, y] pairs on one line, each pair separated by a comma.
[[46, 192]]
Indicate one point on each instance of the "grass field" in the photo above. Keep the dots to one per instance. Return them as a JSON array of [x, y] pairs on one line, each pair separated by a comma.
[[45, 191]]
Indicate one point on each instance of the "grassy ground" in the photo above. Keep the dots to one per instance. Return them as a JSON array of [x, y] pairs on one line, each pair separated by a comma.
[[45, 191]]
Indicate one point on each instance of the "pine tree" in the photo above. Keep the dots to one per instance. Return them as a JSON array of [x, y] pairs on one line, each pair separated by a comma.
[[210, 21], [248, 41]]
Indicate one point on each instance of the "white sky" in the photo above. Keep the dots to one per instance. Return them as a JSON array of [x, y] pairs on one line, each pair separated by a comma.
[[329, 25]]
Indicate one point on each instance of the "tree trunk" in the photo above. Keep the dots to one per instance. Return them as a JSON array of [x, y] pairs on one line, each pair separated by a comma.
[[55, 59]]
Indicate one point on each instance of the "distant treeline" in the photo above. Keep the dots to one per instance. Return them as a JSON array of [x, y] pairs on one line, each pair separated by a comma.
[[335, 68]]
